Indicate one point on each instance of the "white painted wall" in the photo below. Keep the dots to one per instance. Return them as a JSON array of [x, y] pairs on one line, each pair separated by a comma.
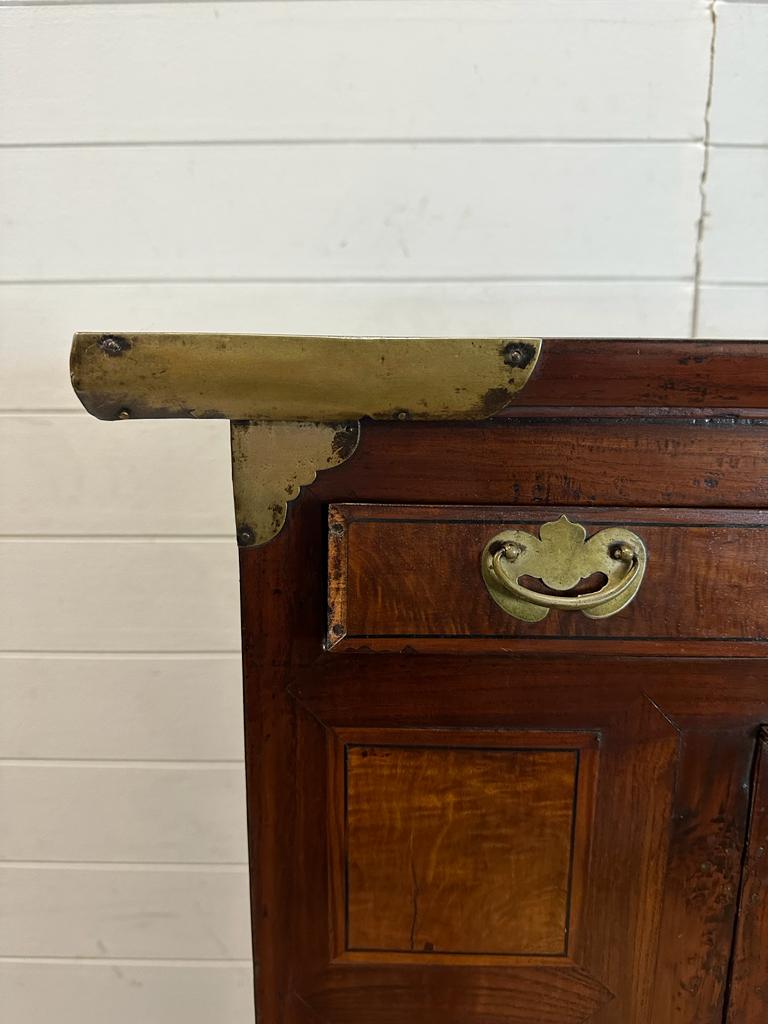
[[361, 166]]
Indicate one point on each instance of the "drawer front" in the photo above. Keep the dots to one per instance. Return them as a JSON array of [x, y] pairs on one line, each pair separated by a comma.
[[410, 578]]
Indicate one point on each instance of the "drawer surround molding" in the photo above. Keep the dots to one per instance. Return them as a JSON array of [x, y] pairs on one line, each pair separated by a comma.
[[464, 531]]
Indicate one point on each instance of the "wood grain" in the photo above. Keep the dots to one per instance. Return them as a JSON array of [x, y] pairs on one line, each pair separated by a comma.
[[413, 573], [708, 828], [458, 851], [749, 983], [649, 373], [675, 736], [708, 463], [463, 844]]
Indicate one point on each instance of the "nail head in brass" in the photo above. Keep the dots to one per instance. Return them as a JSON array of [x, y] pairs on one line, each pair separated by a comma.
[[295, 402], [297, 378]]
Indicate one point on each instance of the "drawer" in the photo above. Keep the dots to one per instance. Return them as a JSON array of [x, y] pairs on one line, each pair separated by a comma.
[[402, 578]]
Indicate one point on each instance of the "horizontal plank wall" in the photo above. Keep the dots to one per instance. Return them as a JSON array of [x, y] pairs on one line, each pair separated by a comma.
[[100, 910], [355, 71], [100, 706], [424, 210], [126, 991], [733, 251], [393, 166]]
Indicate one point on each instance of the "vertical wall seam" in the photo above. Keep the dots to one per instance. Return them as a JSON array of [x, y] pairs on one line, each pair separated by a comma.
[[703, 208]]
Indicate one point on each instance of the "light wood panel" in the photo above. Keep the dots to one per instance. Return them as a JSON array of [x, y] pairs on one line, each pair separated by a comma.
[[367, 211], [197, 914], [102, 812], [126, 993], [37, 321], [118, 595], [173, 708], [459, 849], [329, 70]]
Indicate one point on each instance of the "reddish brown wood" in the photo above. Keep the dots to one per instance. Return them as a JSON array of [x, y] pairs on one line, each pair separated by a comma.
[[661, 833], [749, 986], [708, 827], [572, 461], [643, 372], [706, 581], [462, 845]]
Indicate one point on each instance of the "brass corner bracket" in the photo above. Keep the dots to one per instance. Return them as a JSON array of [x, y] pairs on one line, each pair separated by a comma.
[[270, 464], [294, 401]]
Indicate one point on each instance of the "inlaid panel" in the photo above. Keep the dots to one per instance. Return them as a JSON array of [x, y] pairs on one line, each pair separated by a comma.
[[460, 846]]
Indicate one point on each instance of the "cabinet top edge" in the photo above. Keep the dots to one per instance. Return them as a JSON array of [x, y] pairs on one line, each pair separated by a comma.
[[335, 379]]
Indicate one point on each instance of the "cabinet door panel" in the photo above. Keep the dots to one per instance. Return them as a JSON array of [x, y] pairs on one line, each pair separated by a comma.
[[402, 806]]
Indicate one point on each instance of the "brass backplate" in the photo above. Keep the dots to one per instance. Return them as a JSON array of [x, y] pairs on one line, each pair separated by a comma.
[[561, 557], [297, 378]]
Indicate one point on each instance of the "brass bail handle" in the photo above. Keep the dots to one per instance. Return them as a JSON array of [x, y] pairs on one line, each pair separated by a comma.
[[561, 557]]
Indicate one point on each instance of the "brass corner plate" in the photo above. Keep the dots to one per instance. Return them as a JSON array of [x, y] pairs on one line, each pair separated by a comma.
[[270, 464], [292, 377], [561, 557], [294, 401]]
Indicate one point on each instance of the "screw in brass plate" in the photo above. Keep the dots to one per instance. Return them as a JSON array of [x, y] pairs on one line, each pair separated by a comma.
[[512, 551], [623, 552], [112, 345]]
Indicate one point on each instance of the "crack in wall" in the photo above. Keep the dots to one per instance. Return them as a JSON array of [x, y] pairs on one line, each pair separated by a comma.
[[703, 208]]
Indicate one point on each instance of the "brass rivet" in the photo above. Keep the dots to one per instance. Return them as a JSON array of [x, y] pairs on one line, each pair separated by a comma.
[[512, 551], [518, 354], [124, 414], [112, 345], [623, 552]]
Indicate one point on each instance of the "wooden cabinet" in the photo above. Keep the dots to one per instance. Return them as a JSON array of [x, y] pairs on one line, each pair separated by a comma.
[[459, 814], [462, 818]]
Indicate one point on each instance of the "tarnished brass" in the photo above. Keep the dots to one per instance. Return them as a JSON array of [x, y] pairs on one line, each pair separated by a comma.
[[561, 557], [288, 378], [271, 462], [294, 401]]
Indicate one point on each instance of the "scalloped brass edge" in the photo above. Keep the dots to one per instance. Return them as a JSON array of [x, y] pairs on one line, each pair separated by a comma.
[[270, 464], [294, 401]]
